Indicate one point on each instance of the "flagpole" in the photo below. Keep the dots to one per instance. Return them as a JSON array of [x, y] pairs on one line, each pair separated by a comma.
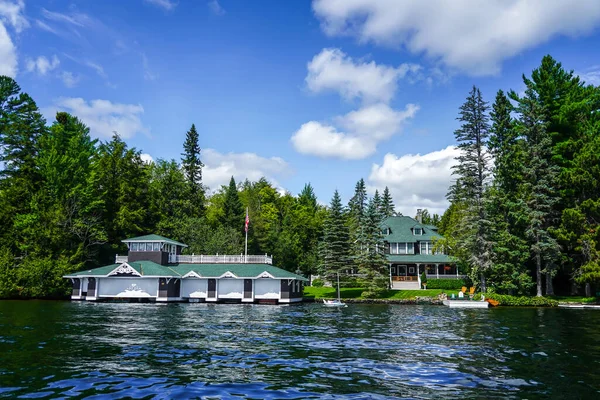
[[246, 247]]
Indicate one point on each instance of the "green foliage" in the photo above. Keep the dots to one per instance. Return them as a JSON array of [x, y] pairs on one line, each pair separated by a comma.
[[424, 279], [525, 301], [233, 212], [334, 248], [447, 284], [192, 169], [317, 283]]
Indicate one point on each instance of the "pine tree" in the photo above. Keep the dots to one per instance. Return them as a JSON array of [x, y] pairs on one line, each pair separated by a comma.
[[192, 167], [540, 178], [371, 260], [472, 173], [505, 211], [233, 211], [334, 251], [357, 207], [387, 204]]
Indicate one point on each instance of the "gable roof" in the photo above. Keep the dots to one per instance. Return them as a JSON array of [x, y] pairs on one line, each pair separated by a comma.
[[149, 268], [401, 228], [154, 238]]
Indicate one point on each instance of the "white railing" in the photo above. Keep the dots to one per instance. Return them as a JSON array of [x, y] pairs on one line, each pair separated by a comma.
[[221, 259], [216, 259]]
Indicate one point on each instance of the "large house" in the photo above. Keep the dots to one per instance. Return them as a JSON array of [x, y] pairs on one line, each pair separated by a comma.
[[155, 270], [410, 249]]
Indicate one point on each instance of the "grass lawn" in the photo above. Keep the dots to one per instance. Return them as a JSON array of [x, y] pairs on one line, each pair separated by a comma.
[[311, 292], [573, 299]]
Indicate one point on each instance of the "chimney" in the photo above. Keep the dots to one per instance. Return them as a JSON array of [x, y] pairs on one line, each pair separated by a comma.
[[419, 216]]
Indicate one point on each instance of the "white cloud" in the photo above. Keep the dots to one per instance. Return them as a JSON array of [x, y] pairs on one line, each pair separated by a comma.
[[219, 168], [363, 130], [147, 158], [469, 35], [215, 7], [12, 12], [69, 79], [103, 117], [591, 75], [42, 65], [148, 74], [8, 54], [165, 4], [76, 19], [415, 180], [332, 69]]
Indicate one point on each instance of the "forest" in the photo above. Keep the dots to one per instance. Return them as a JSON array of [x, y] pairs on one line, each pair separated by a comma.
[[523, 215]]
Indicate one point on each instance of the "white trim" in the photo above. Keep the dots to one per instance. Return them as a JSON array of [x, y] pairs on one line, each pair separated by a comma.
[[265, 275], [291, 300], [166, 299], [153, 241], [192, 274], [124, 269], [228, 274]]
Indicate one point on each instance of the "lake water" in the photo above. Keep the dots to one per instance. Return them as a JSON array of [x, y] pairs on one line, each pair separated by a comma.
[[160, 351]]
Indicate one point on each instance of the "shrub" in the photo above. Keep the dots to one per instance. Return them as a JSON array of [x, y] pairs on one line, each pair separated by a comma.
[[446, 284], [317, 283], [424, 279], [526, 301]]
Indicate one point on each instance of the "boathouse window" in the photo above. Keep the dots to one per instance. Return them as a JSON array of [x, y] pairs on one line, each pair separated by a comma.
[[134, 246], [156, 246]]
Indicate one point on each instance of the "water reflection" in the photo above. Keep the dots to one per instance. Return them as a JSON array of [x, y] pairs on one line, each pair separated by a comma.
[[108, 350]]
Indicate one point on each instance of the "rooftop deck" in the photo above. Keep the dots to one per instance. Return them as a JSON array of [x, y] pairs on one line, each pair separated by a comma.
[[212, 259]]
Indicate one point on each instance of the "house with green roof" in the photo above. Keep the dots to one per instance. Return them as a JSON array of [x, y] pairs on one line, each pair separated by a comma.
[[410, 250], [154, 269]]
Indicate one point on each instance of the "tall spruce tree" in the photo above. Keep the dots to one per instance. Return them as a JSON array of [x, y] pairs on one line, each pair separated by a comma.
[[387, 204], [192, 167], [540, 178], [472, 172], [233, 211], [506, 215], [357, 210], [371, 259], [334, 251]]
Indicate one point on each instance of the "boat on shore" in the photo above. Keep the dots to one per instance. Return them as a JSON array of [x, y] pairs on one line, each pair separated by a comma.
[[336, 302]]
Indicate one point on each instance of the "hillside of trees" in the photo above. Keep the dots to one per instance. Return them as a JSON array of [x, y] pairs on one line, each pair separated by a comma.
[[523, 218]]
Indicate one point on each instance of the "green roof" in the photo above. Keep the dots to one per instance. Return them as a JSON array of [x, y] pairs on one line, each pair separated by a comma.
[[401, 228], [154, 238], [420, 258], [149, 268]]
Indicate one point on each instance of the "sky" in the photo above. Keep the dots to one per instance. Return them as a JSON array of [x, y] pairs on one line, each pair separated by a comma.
[[324, 92]]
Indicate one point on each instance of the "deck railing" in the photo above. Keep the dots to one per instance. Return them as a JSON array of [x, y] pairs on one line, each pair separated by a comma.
[[213, 259]]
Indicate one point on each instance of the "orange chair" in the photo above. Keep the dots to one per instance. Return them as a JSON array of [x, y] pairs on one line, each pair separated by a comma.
[[463, 289], [471, 292]]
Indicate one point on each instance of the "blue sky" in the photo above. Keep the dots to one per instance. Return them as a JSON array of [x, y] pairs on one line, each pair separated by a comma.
[[325, 92]]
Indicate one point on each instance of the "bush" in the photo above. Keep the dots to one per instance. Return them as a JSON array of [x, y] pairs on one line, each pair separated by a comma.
[[517, 301], [446, 284], [317, 283], [424, 279]]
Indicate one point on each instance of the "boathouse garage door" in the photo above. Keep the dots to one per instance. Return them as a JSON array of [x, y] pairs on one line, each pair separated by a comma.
[[194, 288], [231, 288], [266, 288]]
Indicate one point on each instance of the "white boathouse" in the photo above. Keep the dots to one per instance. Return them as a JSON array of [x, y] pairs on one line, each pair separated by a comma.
[[155, 270]]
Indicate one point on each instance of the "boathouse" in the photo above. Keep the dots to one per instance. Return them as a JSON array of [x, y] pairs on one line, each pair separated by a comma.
[[154, 269], [410, 250]]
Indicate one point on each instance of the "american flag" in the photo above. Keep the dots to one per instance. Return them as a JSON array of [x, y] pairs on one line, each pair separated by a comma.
[[247, 221]]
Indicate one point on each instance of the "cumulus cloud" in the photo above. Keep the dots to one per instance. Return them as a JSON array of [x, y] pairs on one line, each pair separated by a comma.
[[42, 65], [468, 35], [363, 130], [11, 15], [164, 4], [103, 117], [219, 168], [416, 180], [147, 158], [69, 79], [333, 70]]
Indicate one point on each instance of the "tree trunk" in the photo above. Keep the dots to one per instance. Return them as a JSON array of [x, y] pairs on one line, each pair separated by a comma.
[[588, 290], [483, 287], [538, 274], [549, 285]]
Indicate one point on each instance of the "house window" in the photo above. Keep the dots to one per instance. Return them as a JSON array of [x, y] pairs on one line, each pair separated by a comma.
[[156, 247], [135, 246], [418, 231], [426, 248], [402, 248]]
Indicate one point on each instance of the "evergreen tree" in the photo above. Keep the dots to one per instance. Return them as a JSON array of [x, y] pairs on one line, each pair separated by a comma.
[[334, 252], [233, 211], [192, 167], [540, 176], [387, 204], [472, 173], [371, 259], [357, 208]]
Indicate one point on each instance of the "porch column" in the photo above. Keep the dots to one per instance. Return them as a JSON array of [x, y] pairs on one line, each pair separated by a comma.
[[437, 271], [456, 271], [391, 283]]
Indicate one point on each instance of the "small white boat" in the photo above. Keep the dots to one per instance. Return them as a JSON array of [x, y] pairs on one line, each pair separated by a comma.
[[334, 303], [337, 302], [466, 304]]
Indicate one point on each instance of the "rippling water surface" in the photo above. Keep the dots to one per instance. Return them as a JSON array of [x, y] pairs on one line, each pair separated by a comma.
[[159, 351]]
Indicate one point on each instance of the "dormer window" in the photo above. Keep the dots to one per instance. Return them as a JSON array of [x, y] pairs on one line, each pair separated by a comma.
[[387, 230], [418, 231]]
